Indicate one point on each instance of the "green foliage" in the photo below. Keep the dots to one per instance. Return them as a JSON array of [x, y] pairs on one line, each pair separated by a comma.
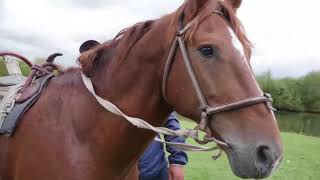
[[311, 91], [293, 94], [3, 68], [25, 69]]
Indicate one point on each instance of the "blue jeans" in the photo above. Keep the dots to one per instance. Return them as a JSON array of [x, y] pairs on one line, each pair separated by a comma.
[[163, 175]]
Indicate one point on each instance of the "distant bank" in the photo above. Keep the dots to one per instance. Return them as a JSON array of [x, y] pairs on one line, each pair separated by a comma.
[[293, 94]]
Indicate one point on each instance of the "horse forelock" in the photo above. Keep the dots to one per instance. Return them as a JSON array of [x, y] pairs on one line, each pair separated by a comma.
[[200, 14], [237, 26]]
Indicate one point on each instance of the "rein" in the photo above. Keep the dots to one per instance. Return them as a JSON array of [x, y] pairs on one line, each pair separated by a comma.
[[207, 111], [184, 133]]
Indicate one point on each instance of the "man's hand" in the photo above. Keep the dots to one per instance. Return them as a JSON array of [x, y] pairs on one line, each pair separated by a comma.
[[176, 172]]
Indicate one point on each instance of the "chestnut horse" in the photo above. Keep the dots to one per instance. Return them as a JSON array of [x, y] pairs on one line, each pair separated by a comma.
[[68, 135]]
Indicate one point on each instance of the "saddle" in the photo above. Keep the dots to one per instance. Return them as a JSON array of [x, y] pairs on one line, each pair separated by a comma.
[[18, 93]]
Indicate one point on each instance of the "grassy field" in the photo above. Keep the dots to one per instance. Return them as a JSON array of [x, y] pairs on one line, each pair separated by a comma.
[[301, 161]]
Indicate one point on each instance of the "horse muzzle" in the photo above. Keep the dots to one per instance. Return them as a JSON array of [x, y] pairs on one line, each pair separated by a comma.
[[255, 162]]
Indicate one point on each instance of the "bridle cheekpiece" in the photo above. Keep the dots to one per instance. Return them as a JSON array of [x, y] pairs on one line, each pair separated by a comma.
[[206, 110]]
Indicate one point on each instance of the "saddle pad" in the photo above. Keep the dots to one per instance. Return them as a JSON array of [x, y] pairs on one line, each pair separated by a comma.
[[12, 119]]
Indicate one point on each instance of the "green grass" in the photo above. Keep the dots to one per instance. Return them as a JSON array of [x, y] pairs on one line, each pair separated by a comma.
[[25, 69], [301, 161]]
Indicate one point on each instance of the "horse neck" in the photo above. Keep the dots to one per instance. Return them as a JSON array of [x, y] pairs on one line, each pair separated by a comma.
[[135, 87]]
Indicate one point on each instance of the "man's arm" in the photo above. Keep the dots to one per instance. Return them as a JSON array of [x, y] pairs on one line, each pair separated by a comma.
[[177, 158]]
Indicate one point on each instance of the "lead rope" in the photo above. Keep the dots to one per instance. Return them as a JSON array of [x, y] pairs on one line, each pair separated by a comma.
[[184, 133]]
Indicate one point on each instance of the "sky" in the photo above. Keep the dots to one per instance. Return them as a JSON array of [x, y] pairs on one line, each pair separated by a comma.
[[284, 33]]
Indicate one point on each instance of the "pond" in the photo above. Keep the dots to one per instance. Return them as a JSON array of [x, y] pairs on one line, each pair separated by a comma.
[[301, 123]]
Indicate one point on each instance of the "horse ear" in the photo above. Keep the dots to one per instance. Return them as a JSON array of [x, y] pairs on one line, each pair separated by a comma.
[[193, 7], [234, 3], [89, 55], [88, 45]]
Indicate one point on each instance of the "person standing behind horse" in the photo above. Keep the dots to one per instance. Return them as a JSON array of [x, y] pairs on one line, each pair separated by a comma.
[[153, 164]]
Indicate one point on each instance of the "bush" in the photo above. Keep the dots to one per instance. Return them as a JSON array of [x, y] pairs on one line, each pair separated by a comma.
[[293, 94], [311, 91]]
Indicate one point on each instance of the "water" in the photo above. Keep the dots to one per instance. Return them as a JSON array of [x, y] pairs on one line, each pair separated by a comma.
[[301, 123]]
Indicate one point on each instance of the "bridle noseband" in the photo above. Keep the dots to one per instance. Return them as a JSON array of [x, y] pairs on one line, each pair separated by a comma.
[[206, 110]]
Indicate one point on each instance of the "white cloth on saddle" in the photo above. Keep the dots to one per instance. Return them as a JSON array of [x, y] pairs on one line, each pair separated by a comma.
[[9, 87], [8, 93]]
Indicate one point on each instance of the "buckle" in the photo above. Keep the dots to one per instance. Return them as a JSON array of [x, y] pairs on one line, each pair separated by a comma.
[[269, 103]]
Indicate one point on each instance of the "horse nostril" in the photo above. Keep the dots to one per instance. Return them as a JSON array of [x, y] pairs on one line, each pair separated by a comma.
[[264, 156]]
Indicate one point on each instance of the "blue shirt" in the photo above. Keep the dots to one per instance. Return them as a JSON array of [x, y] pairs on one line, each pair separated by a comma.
[[153, 160]]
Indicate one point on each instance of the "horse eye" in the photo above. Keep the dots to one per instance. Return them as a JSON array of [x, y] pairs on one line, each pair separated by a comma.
[[207, 51]]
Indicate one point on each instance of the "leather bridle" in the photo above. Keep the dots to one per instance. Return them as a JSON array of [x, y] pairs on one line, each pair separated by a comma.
[[206, 110]]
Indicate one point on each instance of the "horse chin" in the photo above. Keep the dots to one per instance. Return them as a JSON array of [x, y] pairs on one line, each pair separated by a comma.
[[244, 166]]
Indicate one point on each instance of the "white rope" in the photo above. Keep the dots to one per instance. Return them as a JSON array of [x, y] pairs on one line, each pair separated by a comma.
[[185, 133], [187, 147], [8, 101]]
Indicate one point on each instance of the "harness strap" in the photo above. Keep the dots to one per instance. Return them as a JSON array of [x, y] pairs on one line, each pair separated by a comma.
[[242, 104], [195, 83], [168, 68]]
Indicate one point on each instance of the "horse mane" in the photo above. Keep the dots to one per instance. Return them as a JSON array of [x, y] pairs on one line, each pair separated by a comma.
[[126, 39]]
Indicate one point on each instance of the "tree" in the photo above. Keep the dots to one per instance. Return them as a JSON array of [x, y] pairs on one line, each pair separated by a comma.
[[293, 94]]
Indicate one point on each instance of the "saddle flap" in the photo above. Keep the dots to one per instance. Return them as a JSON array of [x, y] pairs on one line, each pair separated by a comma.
[[24, 102], [28, 92]]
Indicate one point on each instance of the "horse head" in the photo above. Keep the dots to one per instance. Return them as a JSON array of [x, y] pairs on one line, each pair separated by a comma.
[[220, 79]]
